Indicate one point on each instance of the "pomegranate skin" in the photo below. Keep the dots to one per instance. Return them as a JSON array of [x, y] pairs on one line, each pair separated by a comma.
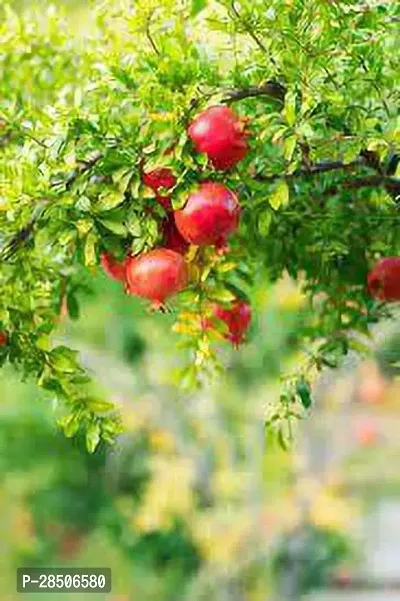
[[161, 177], [384, 280], [156, 179], [219, 133], [113, 268], [3, 338], [237, 318], [210, 215], [172, 237], [156, 275]]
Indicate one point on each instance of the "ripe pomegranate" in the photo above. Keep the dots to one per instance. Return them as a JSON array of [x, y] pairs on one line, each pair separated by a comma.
[[115, 269], [172, 238], [3, 338], [237, 318], [156, 275], [384, 279], [210, 215], [221, 134]]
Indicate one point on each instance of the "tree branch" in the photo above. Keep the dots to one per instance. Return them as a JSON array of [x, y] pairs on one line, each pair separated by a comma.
[[391, 185], [316, 169], [23, 235], [272, 89]]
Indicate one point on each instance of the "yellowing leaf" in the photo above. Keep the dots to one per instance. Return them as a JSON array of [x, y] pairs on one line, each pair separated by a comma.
[[280, 196]]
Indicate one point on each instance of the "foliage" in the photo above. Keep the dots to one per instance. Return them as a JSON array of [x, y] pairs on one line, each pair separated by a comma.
[[319, 188]]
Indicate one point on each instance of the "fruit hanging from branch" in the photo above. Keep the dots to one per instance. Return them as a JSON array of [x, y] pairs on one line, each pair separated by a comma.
[[221, 135], [237, 318], [384, 280], [156, 275], [210, 216]]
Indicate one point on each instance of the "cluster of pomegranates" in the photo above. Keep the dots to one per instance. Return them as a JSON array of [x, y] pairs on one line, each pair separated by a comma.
[[210, 215]]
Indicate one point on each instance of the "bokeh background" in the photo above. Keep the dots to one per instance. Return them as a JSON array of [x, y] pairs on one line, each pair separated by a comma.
[[197, 501]]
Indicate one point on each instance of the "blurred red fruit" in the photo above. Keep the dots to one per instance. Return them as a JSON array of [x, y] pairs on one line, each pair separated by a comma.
[[113, 268], [384, 280], [3, 338], [159, 178], [156, 275], [237, 318], [210, 215], [367, 435], [220, 133]]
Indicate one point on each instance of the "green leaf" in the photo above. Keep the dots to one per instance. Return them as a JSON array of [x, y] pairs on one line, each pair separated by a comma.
[[289, 110], [264, 222], [116, 227], [289, 146], [92, 437], [280, 195], [72, 306], [109, 199], [90, 249], [303, 391], [221, 294], [198, 6], [63, 359], [133, 224], [99, 406]]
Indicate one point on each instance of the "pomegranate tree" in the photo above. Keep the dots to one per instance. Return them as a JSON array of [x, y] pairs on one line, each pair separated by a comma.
[[220, 134], [384, 280], [210, 215], [156, 275]]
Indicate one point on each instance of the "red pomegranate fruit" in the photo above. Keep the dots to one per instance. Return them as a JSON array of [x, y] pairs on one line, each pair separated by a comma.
[[113, 268], [210, 215], [172, 237], [220, 134], [156, 275], [384, 280], [161, 177], [237, 318], [3, 338]]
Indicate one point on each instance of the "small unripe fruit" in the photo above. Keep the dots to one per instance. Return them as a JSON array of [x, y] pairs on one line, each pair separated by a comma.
[[384, 280], [156, 275], [220, 133], [113, 268], [210, 215]]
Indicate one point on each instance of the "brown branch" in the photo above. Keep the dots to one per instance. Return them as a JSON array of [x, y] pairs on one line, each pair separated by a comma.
[[271, 89], [391, 184], [316, 169]]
